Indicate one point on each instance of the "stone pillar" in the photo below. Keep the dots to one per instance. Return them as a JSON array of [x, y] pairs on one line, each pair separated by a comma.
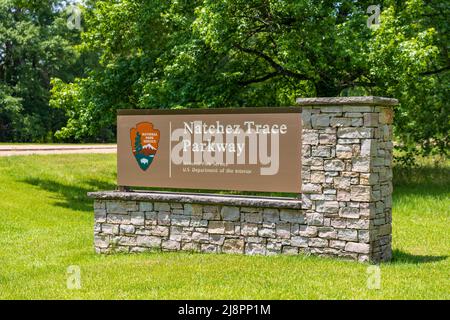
[[347, 174]]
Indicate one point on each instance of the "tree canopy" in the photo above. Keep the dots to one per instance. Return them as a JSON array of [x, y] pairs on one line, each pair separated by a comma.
[[237, 53], [35, 46]]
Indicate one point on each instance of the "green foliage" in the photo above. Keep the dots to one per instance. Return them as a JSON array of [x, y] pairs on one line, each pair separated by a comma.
[[168, 57], [35, 45], [200, 54], [236, 53], [409, 60]]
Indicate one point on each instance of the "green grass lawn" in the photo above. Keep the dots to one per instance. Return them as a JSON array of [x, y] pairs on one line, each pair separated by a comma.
[[47, 225]]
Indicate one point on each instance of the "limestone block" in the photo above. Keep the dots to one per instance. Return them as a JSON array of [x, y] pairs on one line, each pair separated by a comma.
[[347, 235], [355, 133], [170, 245], [162, 206], [127, 229], [159, 231], [360, 193], [249, 229], [271, 215], [255, 249], [361, 164], [334, 165], [118, 219], [327, 233], [294, 216], [99, 204], [220, 227], [311, 188], [111, 229], [327, 206], [253, 217], [121, 207], [357, 247], [347, 212], [148, 241], [100, 215], [317, 242], [283, 230], [233, 246], [145, 206], [137, 218], [320, 120], [230, 213], [267, 233], [314, 219], [310, 137]]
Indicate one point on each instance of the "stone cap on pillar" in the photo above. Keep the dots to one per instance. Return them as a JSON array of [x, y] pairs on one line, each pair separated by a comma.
[[347, 101]]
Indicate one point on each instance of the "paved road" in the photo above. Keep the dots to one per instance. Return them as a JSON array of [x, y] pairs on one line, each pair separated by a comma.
[[23, 149]]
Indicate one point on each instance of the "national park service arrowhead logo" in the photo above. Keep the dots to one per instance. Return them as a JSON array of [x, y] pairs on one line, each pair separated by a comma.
[[144, 143]]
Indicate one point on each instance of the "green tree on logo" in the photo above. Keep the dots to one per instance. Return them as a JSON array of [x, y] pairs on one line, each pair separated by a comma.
[[137, 143]]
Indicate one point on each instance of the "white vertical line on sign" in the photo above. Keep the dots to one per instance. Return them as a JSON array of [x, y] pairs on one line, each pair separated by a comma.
[[170, 149]]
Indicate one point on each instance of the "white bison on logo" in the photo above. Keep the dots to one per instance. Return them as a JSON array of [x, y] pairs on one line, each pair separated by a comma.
[[144, 161]]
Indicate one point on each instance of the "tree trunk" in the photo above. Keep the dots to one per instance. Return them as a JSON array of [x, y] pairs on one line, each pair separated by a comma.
[[327, 89]]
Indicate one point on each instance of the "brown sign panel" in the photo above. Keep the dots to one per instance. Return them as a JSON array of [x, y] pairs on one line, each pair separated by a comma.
[[250, 149]]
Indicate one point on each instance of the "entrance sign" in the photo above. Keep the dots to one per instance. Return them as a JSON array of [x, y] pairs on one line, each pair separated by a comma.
[[248, 149], [344, 191]]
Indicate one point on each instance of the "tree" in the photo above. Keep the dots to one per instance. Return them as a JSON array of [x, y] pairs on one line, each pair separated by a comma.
[[409, 60], [235, 53], [35, 45], [137, 143]]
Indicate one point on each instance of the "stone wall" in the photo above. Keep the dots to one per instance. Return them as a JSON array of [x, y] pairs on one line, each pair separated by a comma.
[[128, 225], [347, 173], [345, 208]]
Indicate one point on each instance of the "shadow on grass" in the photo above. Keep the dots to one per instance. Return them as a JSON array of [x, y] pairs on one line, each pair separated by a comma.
[[422, 181], [401, 257], [70, 196]]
